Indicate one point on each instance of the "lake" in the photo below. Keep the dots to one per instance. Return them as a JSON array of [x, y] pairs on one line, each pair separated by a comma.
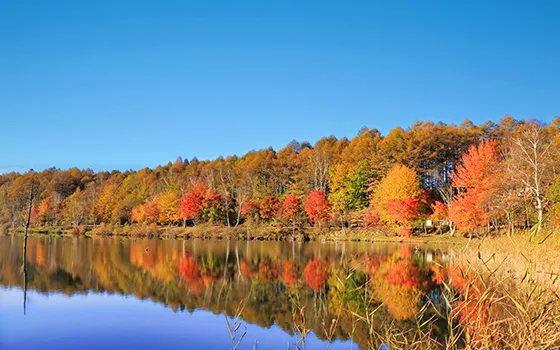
[[83, 293]]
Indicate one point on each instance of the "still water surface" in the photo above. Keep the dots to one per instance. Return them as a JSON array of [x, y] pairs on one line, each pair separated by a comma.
[[81, 293]]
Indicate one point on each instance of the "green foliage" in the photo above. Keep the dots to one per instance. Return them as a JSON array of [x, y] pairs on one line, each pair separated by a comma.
[[354, 175]]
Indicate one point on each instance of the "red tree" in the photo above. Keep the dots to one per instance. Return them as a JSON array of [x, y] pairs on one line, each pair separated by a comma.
[[403, 211], [270, 205], [316, 274], [403, 273], [291, 207], [212, 206], [317, 206], [290, 273], [191, 206], [251, 209], [190, 269]]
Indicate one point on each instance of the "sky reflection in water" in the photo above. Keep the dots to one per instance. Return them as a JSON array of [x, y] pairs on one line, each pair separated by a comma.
[[146, 294]]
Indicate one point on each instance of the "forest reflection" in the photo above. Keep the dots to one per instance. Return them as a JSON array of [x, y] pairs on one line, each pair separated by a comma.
[[265, 282]]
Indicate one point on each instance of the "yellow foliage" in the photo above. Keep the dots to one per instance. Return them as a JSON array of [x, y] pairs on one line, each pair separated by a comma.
[[401, 300], [400, 183], [168, 203]]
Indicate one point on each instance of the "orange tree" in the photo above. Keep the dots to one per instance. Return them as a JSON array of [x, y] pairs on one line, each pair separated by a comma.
[[476, 179]]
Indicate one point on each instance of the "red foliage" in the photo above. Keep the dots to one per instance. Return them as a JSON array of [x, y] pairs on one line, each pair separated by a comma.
[[190, 269], [317, 206], [372, 262], [473, 310], [290, 272], [403, 273], [316, 274], [405, 231], [251, 208], [405, 251], [291, 207], [270, 205], [403, 211], [372, 218], [212, 200], [246, 270], [268, 270], [191, 205]]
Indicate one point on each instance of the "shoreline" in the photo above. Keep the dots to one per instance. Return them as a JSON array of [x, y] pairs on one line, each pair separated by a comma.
[[259, 233]]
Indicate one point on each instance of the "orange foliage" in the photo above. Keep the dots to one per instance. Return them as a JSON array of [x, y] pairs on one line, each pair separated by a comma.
[[168, 205], [290, 273], [190, 269], [251, 208], [439, 274], [270, 205], [405, 231], [145, 213], [405, 251], [402, 211], [396, 285], [477, 176], [291, 207], [316, 274], [317, 206], [473, 310], [372, 262], [246, 270], [268, 270], [403, 273], [440, 211]]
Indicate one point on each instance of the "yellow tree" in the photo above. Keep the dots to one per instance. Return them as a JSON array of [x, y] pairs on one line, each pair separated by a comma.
[[400, 183], [169, 207], [75, 208]]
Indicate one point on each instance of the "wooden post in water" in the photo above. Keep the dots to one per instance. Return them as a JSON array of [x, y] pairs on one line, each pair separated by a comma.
[[24, 267]]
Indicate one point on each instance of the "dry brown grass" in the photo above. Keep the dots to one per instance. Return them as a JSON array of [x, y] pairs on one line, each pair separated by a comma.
[[510, 300]]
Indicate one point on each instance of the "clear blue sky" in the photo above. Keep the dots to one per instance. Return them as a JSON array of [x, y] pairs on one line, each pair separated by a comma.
[[128, 84]]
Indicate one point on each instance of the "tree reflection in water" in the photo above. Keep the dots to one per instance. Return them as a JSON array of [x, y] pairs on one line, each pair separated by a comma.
[[331, 287]]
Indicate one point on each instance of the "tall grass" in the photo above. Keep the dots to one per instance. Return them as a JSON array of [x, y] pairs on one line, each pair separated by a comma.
[[503, 293]]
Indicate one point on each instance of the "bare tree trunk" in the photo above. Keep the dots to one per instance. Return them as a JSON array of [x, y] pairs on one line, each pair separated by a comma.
[[539, 212], [532, 165], [238, 214], [451, 229], [24, 267]]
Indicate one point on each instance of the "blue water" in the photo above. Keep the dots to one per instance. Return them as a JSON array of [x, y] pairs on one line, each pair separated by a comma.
[[112, 321]]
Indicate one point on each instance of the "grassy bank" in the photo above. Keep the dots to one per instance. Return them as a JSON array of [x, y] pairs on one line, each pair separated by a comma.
[[268, 231], [517, 255], [500, 292]]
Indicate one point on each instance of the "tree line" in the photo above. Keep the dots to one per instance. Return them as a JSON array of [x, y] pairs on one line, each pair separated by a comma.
[[469, 177]]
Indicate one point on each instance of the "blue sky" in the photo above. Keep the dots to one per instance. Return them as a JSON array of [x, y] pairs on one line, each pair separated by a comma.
[[129, 84]]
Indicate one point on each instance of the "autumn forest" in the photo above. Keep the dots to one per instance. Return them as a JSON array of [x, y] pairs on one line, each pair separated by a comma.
[[426, 178]]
